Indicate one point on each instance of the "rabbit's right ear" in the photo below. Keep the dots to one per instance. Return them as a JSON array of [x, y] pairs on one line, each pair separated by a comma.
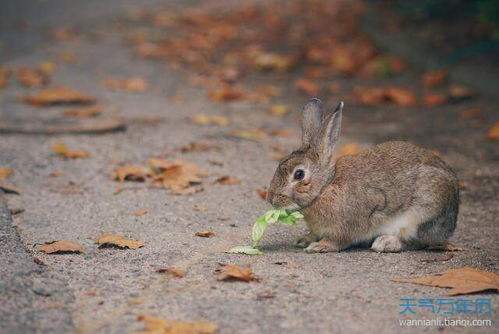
[[311, 121]]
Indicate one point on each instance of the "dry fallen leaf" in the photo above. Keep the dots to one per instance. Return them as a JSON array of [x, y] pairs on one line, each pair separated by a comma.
[[173, 271], [84, 112], [226, 93], [493, 133], [140, 213], [401, 96], [204, 234], [9, 189], [308, 87], [131, 173], [61, 246], [273, 61], [262, 193], [434, 78], [434, 99], [47, 68], [198, 147], [459, 92], [462, 281], [472, 113], [134, 85], [203, 119], [5, 172], [154, 325], [108, 239], [31, 77], [180, 177], [227, 180], [230, 272], [446, 247], [279, 110], [4, 76], [58, 95], [249, 134], [62, 150]]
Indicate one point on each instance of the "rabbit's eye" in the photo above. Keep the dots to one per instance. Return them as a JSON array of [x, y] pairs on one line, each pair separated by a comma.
[[299, 174]]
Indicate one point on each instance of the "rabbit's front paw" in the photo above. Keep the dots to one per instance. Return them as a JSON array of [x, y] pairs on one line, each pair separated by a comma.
[[322, 246], [305, 241], [387, 244]]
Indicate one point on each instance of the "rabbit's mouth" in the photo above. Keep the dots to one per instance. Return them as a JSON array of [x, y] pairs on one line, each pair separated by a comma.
[[292, 207]]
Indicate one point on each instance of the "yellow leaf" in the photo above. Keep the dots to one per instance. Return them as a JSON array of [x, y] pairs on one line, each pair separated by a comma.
[[5, 172], [154, 325], [203, 119], [62, 150], [58, 95]]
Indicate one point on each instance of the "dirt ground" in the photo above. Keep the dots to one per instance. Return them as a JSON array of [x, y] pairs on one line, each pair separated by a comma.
[[104, 290]]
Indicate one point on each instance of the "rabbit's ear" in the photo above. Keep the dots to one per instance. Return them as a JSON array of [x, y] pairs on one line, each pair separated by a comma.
[[311, 121], [329, 134]]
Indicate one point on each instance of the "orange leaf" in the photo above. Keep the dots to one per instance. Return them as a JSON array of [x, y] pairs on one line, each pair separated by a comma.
[[202, 119], [178, 176], [226, 93], [462, 281], [401, 96], [308, 87], [85, 112], [493, 133], [5, 172], [433, 99], [62, 150], [154, 325], [58, 95], [61, 246], [31, 78], [204, 234], [233, 272], [108, 239], [434, 78], [262, 193], [175, 272], [228, 180], [140, 212], [131, 173], [134, 85]]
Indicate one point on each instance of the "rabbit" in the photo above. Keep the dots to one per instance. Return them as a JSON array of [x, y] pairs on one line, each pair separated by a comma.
[[394, 196]]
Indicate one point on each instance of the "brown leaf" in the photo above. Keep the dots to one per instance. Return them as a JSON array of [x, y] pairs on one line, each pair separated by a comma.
[[84, 112], [131, 173], [140, 213], [401, 96], [61, 246], [308, 87], [460, 92], [47, 68], [434, 78], [370, 96], [472, 113], [9, 189], [198, 147], [178, 176], [227, 180], [133, 85], [204, 234], [462, 281], [4, 76], [203, 119], [434, 99], [226, 93], [262, 193], [267, 61], [493, 133], [249, 134], [62, 150], [230, 272], [5, 172], [279, 110], [58, 95], [446, 247], [173, 271], [31, 78], [154, 325], [108, 239]]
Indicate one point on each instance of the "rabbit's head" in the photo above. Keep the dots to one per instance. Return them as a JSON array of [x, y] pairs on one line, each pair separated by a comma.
[[301, 176]]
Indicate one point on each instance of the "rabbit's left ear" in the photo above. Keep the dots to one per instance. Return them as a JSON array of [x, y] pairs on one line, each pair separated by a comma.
[[329, 134]]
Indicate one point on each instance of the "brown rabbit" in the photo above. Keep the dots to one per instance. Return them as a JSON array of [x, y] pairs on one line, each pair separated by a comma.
[[397, 194]]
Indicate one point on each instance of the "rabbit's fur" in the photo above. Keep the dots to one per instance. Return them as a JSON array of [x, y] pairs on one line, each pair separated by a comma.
[[397, 194]]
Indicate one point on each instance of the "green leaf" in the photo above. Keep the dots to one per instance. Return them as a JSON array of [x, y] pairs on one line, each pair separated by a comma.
[[258, 229], [248, 250]]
